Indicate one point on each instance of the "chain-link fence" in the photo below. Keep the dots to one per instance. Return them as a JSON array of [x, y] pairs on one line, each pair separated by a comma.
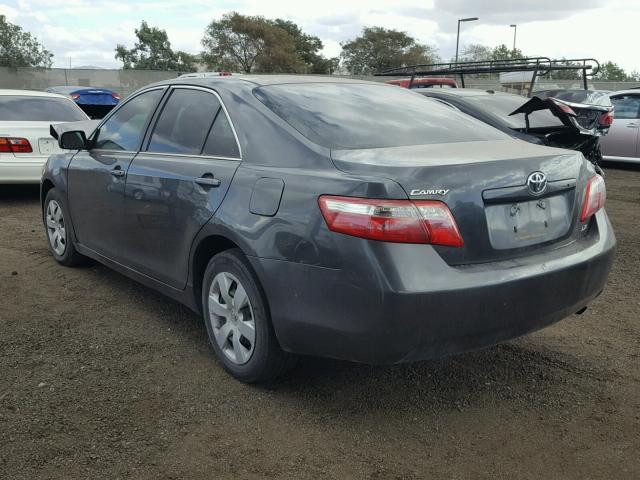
[[126, 81]]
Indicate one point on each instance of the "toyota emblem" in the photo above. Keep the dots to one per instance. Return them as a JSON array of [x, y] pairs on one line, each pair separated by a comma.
[[537, 183]]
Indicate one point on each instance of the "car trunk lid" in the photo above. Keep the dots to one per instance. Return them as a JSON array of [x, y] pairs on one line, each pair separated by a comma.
[[37, 133], [485, 186]]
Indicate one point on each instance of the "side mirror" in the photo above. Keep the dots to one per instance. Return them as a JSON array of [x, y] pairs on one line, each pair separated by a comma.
[[73, 140]]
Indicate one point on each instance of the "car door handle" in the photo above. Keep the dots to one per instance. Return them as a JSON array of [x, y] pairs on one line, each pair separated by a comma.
[[207, 182], [633, 125], [117, 172]]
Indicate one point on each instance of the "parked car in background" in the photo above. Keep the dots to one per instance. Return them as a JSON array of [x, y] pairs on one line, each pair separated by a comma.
[[424, 82], [623, 142], [329, 217], [95, 102], [544, 119], [25, 141]]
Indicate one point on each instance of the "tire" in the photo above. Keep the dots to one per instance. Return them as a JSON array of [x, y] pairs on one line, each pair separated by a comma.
[[57, 227], [249, 355]]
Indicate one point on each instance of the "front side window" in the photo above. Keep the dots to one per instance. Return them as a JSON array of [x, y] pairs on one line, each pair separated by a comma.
[[125, 128], [184, 123], [22, 108], [353, 116], [626, 107]]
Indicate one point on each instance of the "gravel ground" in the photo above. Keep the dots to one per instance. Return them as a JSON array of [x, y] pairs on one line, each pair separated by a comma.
[[103, 378]]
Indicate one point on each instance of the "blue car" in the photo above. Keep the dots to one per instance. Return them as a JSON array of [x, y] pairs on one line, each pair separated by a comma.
[[96, 102]]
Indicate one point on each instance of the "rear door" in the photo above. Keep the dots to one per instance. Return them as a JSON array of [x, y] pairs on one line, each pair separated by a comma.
[[177, 183], [96, 177], [623, 136]]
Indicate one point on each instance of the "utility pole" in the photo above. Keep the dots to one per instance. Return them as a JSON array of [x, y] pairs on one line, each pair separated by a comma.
[[470, 19], [515, 29]]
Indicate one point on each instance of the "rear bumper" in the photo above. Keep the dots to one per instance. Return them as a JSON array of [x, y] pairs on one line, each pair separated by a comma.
[[416, 306], [22, 170]]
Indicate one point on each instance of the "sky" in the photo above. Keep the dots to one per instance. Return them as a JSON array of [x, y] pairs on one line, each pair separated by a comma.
[[86, 32]]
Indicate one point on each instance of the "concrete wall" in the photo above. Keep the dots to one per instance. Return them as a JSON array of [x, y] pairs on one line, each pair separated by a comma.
[[126, 81]]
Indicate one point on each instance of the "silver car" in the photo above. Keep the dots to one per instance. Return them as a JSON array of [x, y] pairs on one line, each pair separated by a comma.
[[622, 142]]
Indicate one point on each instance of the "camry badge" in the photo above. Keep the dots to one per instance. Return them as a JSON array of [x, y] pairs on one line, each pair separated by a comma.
[[537, 183], [431, 191]]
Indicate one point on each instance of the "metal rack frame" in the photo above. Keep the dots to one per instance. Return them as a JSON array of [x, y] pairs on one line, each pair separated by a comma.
[[537, 65]]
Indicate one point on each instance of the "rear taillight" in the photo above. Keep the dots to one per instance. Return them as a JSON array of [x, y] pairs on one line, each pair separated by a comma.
[[400, 221], [116, 96], [565, 108], [594, 197], [15, 145], [606, 119], [75, 96]]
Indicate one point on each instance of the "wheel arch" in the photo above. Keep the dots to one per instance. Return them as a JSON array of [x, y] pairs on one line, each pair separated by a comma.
[[206, 249], [44, 189]]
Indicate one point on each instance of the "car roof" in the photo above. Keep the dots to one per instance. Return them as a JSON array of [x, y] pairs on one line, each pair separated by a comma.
[[72, 88], [463, 92], [29, 93], [634, 91], [264, 80]]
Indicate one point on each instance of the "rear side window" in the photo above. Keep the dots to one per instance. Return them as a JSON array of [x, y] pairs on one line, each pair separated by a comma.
[[626, 107], [124, 129], [221, 141], [38, 109], [351, 116], [184, 122]]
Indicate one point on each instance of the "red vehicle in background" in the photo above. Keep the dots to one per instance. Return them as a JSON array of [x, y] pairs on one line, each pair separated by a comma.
[[430, 82]]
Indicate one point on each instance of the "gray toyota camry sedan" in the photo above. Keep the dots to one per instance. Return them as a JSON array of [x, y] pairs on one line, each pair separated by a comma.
[[329, 217]]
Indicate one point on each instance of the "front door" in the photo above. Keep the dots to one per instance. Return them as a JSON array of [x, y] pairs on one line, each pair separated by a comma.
[[175, 185], [622, 139], [96, 177]]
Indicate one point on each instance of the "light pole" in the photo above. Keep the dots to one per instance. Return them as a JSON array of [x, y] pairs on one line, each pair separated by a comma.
[[470, 19], [515, 29]]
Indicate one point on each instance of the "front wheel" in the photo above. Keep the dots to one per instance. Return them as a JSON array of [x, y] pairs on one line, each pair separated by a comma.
[[58, 231], [237, 319]]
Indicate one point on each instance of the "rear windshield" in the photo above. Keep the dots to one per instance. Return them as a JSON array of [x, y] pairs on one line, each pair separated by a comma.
[[352, 116], [502, 105], [38, 109]]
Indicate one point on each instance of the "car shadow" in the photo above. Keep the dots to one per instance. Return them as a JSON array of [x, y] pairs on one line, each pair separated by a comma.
[[632, 167], [527, 369], [19, 193], [524, 369]]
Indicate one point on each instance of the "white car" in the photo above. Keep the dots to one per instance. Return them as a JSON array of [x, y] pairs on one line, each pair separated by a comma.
[[25, 141]]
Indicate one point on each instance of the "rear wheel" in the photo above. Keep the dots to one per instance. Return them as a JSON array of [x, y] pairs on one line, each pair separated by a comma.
[[238, 322], [59, 231]]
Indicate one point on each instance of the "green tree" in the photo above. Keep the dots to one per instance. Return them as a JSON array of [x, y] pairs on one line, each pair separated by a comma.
[[307, 47], [326, 65], [502, 52], [249, 43], [613, 72], [476, 52], [566, 74], [378, 49], [153, 51], [20, 49]]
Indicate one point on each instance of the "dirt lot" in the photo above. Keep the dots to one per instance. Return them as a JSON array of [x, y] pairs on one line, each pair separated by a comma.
[[103, 378]]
